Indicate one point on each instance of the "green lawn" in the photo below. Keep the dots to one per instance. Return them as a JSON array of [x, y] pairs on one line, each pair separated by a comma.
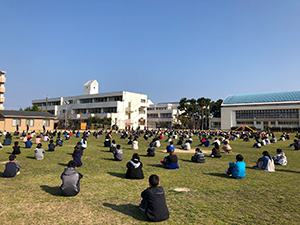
[[106, 197]]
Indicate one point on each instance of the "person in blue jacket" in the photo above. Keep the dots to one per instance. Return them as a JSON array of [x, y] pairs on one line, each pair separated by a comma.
[[238, 169], [170, 147], [28, 143]]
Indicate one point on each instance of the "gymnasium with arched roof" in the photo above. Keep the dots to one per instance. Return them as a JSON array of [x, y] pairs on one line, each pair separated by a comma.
[[278, 110]]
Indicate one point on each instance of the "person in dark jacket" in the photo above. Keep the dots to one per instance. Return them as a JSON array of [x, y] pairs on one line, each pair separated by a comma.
[[215, 153], [134, 166], [70, 180], [77, 157], [12, 168], [51, 146], [16, 149], [198, 157], [151, 150], [154, 201], [107, 142]]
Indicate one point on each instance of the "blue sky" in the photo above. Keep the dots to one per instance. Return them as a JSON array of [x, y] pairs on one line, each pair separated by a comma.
[[165, 49]]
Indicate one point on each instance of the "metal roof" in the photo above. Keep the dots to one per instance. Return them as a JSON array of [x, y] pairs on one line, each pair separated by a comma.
[[31, 114], [263, 97]]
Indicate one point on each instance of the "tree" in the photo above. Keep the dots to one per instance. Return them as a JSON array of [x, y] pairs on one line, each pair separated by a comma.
[[189, 110], [33, 108], [215, 109]]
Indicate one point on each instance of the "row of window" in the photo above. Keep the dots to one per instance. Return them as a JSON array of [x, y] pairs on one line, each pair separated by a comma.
[[267, 123], [104, 99], [162, 115], [49, 103], [96, 110], [268, 114], [158, 108], [29, 122]]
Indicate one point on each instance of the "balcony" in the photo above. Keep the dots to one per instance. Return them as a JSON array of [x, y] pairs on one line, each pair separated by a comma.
[[2, 99], [2, 80], [2, 89]]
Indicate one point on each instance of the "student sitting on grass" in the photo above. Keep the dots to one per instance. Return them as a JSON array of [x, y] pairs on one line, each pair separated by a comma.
[[265, 163], [84, 143], [59, 141], [280, 158], [12, 168], [198, 157], [151, 150], [7, 141], [113, 146], [170, 161], [135, 144], [37, 140], [238, 169], [51, 146], [134, 168], [16, 149], [77, 157], [70, 180], [215, 153], [186, 146], [28, 143], [39, 152], [154, 201], [170, 147], [118, 153], [257, 144], [226, 147], [296, 144]]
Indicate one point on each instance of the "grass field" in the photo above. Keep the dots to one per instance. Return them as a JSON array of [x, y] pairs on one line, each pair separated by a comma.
[[106, 197]]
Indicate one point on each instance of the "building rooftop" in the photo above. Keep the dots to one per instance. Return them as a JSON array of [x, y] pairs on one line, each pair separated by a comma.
[[33, 114], [263, 97]]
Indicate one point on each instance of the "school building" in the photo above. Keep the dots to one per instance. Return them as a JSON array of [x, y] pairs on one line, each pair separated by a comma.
[[278, 111], [162, 115], [126, 109], [10, 119]]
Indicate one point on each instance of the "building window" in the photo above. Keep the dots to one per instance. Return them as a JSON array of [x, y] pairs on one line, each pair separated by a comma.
[[166, 115], [30, 122], [16, 122], [152, 115], [272, 123], [83, 101], [46, 123], [143, 101]]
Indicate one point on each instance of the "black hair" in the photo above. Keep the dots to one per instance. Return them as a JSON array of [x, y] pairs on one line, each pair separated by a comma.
[[279, 150], [51, 141], [39, 145], [265, 153], [171, 142], [72, 163], [12, 157], [118, 146], [113, 141], [154, 180], [135, 157], [151, 144], [197, 149], [239, 157], [16, 143]]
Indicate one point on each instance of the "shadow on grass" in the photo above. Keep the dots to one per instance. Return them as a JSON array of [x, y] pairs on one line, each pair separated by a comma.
[[30, 157], [1, 174], [109, 159], [120, 175], [185, 160], [287, 171], [69, 153], [155, 165], [55, 191], [62, 164], [128, 209], [223, 175], [9, 153]]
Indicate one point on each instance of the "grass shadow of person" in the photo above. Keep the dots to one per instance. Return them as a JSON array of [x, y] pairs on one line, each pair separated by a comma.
[[128, 209], [62, 164], [155, 165], [109, 159], [223, 175], [69, 153], [30, 157], [55, 191], [185, 160], [287, 171], [119, 175]]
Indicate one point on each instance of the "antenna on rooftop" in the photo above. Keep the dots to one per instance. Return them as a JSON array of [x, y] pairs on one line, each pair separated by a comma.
[[84, 76]]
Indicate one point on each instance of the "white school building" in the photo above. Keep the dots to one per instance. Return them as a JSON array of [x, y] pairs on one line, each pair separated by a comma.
[[127, 109], [279, 110]]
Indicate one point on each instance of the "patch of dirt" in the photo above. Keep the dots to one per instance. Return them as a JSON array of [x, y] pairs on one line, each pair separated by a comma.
[[182, 189]]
